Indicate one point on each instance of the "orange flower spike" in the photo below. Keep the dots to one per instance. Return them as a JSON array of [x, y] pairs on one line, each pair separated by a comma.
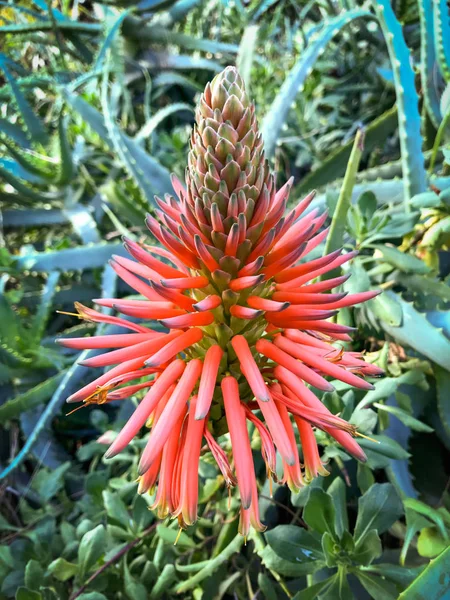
[[225, 281]]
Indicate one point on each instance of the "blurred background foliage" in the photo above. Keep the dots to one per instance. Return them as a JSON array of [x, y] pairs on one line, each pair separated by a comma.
[[96, 109]]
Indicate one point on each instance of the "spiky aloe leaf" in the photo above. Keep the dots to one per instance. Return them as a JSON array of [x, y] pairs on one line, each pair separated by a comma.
[[409, 121], [34, 125], [278, 111], [418, 333], [442, 37], [334, 165], [428, 61]]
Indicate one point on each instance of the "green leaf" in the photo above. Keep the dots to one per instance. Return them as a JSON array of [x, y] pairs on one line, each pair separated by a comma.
[[389, 385], [134, 589], [34, 575], [408, 263], [276, 563], [378, 588], [414, 523], [24, 593], [404, 417], [49, 483], [430, 542], [368, 548], [387, 309], [401, 576], [313, 591], [330, 550], [294, 544], [165, 580], [319, 512], [116, 509], [378, 509], [442, 387], [337, 491], [170, 535], [384, 446], [435, 578], [92, 547], [428, 511], [267, 587], [339, 588], [62, 570], [92, 596]]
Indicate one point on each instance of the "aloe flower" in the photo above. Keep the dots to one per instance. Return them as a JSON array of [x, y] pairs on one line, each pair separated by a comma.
[[249, 331]]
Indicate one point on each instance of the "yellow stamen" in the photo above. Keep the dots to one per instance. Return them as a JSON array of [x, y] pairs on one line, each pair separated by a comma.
[[71, 314], [366, 437], [270, 485], [178, 536]]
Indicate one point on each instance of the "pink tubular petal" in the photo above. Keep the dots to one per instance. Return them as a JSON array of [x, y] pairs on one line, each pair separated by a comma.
[[240, 442], [252, 268], [134, 282], [220, 457], [209, 303], [242, 283], [185, 283], [171, 413], [232, 241], [307, 267], [267, 446], [319, 363], [321, 286], [163, 499], [136, 267], [296, 385], [189, 472], [266, 305], [146, 310], [244, 312], [121, 369], [205, 255], [147, 259], [128, 390], [144, 349], [311, 457], [297, 298], [174, 296], [197, 319], [185, 340], [277, 430], [282, 358], [248, 364], [89, 314], [146, 407], [121, 340], [295, 473], [208, 381], [299, 281]]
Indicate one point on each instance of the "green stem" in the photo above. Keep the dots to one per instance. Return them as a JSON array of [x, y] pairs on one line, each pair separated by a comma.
[[337, 230], [233, 547], [437, 142]]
